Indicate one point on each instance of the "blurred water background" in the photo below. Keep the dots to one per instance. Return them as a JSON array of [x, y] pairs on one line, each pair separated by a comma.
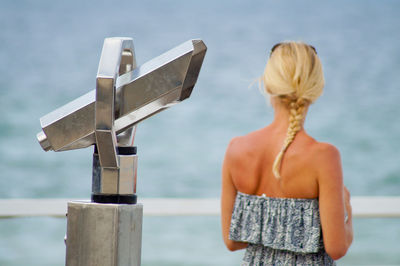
[[49, 53]]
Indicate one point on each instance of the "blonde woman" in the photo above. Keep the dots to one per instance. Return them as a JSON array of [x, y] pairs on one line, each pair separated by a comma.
[[283, 197]]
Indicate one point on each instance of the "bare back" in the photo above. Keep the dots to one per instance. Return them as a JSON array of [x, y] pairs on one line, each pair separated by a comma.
[[253, 156]]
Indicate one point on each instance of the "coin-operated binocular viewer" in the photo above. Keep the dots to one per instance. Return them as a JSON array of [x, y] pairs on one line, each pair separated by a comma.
[[108, 230]]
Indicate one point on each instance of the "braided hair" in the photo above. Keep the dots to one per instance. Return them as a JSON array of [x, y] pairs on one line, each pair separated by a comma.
[[294, 74]]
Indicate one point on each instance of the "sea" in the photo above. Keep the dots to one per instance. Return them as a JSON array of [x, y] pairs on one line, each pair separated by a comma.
[[49, 54]]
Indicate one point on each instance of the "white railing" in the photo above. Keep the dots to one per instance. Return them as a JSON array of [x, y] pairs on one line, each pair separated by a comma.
[[363, 207]]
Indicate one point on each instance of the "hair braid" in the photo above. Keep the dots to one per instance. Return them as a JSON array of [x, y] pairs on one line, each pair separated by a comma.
[[294, 74], [296, 116]]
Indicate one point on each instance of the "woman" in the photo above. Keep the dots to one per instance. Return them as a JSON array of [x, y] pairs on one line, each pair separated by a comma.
[[283, 197]]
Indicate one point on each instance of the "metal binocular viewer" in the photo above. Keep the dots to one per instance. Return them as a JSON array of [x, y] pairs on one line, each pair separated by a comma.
[[125, 95], [106, 117]]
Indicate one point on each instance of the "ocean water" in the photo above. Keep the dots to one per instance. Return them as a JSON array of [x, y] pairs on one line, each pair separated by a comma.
[[49, 53]]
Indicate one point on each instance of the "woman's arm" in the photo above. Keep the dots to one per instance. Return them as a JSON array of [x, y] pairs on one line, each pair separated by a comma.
[[334, 203], [228, 196], [349, 217]]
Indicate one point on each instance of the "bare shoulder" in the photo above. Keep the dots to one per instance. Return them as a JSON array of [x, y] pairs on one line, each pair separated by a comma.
[[241, 146], [326, 152], [235, 147], [328, 161]]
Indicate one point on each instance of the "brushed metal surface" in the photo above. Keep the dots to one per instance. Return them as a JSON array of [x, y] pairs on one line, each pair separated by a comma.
[[117, 57], [104, 234], [127, 174], [140, 93], [106, 141], [120, 180]]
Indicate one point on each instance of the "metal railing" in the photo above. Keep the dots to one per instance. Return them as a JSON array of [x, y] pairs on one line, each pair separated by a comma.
[[363, 207]]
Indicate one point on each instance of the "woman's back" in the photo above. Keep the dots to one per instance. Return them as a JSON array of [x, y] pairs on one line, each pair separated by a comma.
[[253, 156]]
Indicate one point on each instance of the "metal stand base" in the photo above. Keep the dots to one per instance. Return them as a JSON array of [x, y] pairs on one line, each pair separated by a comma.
[[104, 234]]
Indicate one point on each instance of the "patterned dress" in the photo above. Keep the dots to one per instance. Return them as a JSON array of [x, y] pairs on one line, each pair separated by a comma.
[[280, 231]]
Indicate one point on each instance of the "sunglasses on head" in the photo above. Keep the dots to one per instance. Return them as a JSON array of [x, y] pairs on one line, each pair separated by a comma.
[[279, 44]]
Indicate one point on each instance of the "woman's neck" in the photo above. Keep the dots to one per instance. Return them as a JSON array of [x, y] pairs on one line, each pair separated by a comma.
[[281, 115]]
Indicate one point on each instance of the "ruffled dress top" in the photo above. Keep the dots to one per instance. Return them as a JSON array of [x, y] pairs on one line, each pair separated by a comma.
[[280, 231]]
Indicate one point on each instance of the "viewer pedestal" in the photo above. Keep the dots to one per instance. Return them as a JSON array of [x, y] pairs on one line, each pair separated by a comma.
[[104, 234]]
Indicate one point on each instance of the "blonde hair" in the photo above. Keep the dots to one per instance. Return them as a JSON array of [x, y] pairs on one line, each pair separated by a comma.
[[294, 74]]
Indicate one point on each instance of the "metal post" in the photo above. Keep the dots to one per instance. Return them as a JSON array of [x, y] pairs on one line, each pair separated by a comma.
[[104, 234]]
